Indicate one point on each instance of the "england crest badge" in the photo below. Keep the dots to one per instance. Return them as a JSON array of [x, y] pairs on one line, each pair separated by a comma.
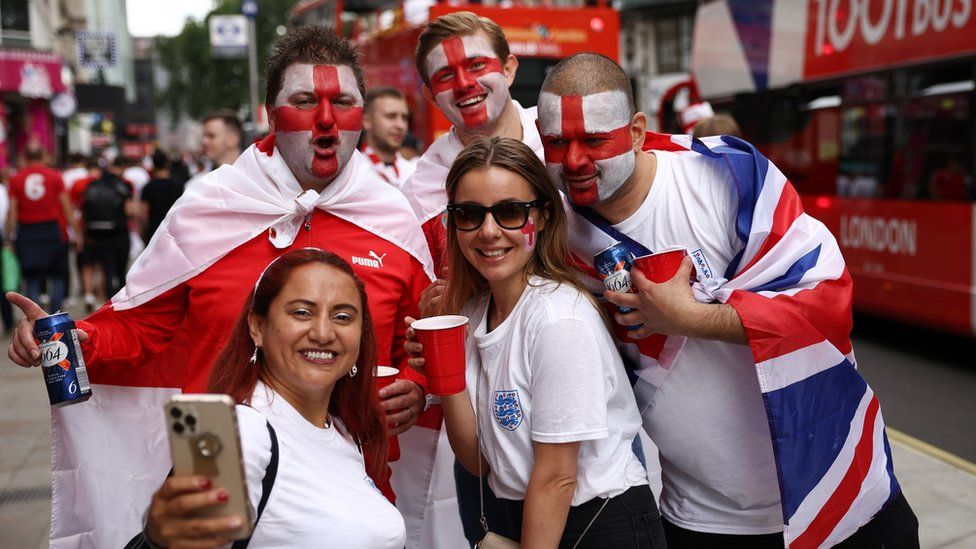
[[508, 409]]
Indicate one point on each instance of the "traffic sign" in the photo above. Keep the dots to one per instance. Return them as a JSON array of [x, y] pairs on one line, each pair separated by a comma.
[[250, 8], [96, 49], [228, 36]]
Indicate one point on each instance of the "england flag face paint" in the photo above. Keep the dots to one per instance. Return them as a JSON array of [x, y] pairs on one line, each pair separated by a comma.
[[588, 145], [467, 81], [318, 117]]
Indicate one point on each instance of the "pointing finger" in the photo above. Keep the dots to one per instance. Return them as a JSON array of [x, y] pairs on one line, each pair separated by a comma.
[[31, 310]]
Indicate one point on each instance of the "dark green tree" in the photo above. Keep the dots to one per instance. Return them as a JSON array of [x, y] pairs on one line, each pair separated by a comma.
[[198, 83]]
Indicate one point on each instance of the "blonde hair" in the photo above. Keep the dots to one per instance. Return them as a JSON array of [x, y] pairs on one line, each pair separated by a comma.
[[551, 258], [459, 23]]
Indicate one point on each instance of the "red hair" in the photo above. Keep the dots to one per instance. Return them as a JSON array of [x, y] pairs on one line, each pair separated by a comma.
[[354, 400]]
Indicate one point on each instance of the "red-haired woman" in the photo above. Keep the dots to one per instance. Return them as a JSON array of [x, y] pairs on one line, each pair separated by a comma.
[[301, 355]]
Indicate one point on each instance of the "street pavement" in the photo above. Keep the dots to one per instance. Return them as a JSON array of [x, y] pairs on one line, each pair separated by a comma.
[[943, 495]]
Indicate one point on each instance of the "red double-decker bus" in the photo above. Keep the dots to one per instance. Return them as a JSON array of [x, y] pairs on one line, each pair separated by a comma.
[[869, 108], [539, 36]]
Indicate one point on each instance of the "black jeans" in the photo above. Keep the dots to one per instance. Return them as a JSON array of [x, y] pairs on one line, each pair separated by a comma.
[[470, 507], [630, 520], [894, 527], [110, 249]]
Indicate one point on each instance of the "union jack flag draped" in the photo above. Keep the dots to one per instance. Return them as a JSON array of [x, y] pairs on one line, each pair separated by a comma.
[[791, 288]]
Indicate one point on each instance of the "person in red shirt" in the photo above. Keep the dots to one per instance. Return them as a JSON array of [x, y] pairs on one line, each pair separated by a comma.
[[305, 185], [39, 212], [85, 258]]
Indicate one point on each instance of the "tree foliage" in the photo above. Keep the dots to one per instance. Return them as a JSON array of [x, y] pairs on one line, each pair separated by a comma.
[[197, 83]]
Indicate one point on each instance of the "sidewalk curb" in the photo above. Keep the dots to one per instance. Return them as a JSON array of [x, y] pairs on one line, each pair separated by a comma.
[[931, 451]]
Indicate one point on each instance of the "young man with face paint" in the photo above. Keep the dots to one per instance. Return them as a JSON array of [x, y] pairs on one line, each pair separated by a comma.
[[305, 185], [467, 68], [772, 298]]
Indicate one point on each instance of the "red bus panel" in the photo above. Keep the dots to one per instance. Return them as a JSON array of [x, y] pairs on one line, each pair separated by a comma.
[[853, 36], [910, 260]]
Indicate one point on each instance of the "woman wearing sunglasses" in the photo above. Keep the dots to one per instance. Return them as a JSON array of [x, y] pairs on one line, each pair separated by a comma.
[[546, 390]]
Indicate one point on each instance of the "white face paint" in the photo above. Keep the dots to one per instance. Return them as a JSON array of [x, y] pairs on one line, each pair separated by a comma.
[[468, 82], [318, 119], [588, 144]]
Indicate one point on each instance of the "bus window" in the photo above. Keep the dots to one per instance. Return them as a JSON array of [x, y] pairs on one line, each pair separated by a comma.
[[798, 132], [528, 79], [863, 148]]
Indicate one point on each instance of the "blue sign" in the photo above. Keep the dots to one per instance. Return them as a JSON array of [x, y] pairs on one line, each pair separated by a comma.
[[250, 8], [96, 49]]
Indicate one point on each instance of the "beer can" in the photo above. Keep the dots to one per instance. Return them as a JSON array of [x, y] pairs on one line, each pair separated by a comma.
[[61, 360], [614, 264]]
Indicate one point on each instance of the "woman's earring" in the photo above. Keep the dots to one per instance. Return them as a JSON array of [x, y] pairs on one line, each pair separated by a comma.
[[352, 372], [254, 356]]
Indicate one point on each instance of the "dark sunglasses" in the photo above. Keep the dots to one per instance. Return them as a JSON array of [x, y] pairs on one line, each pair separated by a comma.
[[507, 215]]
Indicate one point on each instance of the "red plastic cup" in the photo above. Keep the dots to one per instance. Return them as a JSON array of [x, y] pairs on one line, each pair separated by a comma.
[[386, 375], [443, 341], [661, 266]]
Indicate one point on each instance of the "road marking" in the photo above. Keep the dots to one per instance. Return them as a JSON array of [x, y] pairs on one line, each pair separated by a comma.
[[931, 451]]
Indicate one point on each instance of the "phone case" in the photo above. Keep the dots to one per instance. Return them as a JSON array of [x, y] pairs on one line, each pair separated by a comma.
[[204, 440]]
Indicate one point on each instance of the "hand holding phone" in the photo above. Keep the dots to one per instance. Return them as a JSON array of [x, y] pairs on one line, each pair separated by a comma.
[[206, 497], [180, 497]]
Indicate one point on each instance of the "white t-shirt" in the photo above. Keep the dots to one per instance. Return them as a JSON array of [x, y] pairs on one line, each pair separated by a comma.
[[550, 373], [71, 175], [139, 177], [396, 174], [322, 496], [707, 419]]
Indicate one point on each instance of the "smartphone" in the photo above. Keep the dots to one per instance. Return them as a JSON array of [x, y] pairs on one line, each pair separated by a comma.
[[204, 440]]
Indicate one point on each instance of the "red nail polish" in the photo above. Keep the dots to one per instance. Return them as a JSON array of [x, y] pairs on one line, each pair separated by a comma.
[[205, 483], [223, 496]]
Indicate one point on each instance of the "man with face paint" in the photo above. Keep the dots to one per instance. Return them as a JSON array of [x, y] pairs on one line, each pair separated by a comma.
[[305, 185], [696, 351], [467, 68]]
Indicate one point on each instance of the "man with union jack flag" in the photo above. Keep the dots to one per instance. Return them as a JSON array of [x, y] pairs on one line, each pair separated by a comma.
[[746, 380]]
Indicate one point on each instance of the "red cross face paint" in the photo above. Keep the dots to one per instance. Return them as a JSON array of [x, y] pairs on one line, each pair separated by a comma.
[[528, 231], [588, 145], [467, 81], [318, 116]]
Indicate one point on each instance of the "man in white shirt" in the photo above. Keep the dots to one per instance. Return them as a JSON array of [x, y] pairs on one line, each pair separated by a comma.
[[467, 69], [76, 170], [709, 415], [386, 119], [222, 139]]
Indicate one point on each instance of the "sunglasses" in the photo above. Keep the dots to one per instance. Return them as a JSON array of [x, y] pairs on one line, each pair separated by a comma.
[[507, 215]]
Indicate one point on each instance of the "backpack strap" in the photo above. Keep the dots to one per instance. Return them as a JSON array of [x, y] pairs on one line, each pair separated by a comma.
[[267, 483]]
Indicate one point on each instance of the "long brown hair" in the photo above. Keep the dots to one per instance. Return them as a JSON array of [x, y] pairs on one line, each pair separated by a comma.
[[551, 257], [354, 400]]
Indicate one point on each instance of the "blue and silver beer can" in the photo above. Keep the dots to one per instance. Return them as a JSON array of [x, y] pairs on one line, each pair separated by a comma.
[[61, 360], [614, 265]]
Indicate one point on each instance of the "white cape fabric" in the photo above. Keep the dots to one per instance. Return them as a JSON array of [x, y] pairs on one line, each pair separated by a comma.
[[108, 455], [234, 203], [425, 188]]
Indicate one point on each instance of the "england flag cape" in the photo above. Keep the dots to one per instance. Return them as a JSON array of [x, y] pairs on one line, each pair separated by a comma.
[[791, 288], [425, 188], [109, 455]]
